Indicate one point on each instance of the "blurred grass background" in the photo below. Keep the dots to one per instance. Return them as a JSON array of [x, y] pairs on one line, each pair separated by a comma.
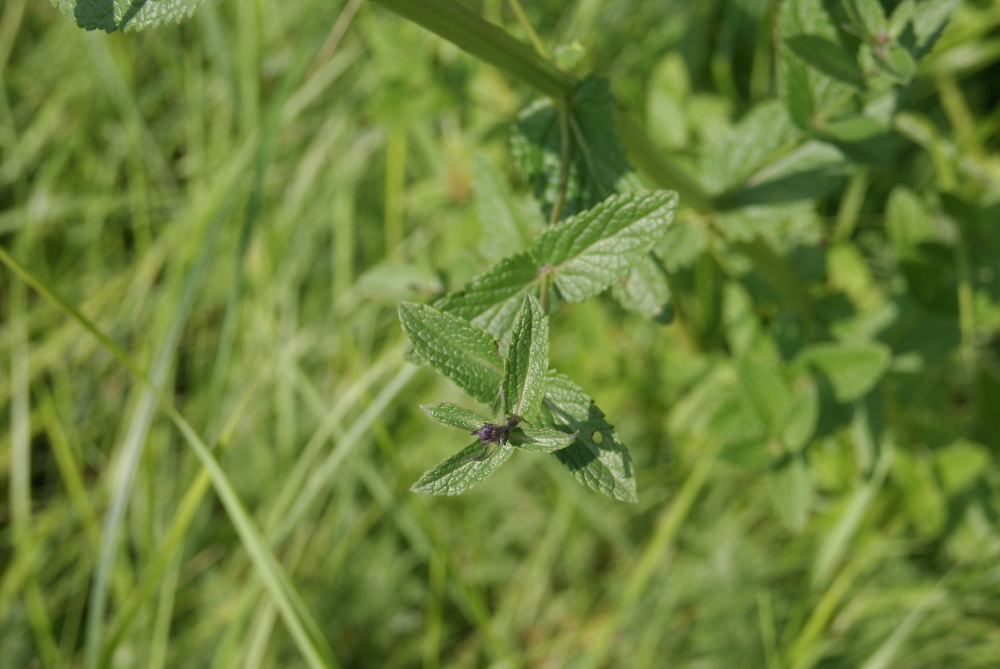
[[239, 202]]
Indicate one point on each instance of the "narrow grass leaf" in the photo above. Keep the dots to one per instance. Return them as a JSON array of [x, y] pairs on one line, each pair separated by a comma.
[[453, 415], [588, 252], [597, 458], [541, 439], [461, 471], [299, 621], [455, 347], [527, 361]]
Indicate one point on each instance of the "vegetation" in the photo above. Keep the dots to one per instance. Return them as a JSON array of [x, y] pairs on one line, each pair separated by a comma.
[[211, 234]]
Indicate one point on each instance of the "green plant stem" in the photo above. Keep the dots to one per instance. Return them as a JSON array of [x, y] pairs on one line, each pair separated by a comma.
[[477, 36]]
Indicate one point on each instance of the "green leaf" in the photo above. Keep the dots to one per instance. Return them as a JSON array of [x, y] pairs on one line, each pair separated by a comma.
[[792, 491], [811, 171], [598, 166], [960, 464], [867, 16], [811, 93], [455, 416], [929, 18], [112, 15], [797, 423], [852, 369], [527, 362], [587, 252], [729, 158], [861, 138], [455, 347], [644, 290], [764, 388], [460, 472], [597, 459], [492, 300], [541, 439], [828, 57]]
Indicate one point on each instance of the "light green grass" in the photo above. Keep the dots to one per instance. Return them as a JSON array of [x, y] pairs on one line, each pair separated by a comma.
[[230, 201]]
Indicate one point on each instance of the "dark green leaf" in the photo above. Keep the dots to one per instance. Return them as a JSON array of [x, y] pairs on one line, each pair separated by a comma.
[[597, 459], [828, 57], [455, 347], [112, 15], [598, 166]]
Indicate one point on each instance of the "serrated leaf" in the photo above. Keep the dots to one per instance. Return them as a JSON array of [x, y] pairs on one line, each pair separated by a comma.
[[596, 458], [587, 252], [453, 415], [461, 471], [852, 369], [112, 15], [598, 165], [541, 439], [644, 290], [527, 361], [492, 300], [455, 347]]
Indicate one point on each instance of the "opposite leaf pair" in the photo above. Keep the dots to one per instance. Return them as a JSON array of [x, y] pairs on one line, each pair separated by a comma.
[[519, 397]]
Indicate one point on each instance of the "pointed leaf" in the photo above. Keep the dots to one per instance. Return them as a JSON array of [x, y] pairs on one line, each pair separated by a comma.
[[597, 459], [527, 361], [598, 166], [492, 300], [589, 251], [541, 439], [460, 472], [828, 57], [453, 415], [455, 347]]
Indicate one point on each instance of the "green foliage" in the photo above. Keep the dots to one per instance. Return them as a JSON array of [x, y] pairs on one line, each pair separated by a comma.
[[210, 233]]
